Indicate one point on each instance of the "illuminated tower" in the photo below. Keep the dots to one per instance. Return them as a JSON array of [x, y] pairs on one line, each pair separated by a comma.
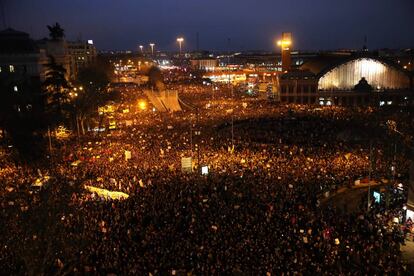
[[285, 45]]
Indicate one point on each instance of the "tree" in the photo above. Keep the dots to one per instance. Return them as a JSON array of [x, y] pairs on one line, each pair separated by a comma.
[[156, 79], [94, 82], [56, 90], [56, 32], [93, 77]]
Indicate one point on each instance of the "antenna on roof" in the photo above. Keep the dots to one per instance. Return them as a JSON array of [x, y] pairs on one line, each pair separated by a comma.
[[365, 48], [198, 42]]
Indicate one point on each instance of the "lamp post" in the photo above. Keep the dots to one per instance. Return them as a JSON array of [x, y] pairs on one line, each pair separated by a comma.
[[141, 48], [180, 40], [152, 48]]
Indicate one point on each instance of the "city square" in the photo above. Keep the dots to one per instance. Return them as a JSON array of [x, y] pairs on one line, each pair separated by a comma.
[[162, 158]]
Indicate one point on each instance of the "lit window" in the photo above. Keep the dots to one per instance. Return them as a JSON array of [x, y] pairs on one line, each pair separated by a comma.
[[15, 88], [11, 68]]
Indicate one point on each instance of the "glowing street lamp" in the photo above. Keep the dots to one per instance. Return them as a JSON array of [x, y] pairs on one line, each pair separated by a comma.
[[152, 48], [142, 48], [284, 43], [180, 40], [142, 105]]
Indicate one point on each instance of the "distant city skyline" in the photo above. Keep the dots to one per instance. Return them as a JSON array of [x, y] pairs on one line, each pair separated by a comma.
[[222, 25]]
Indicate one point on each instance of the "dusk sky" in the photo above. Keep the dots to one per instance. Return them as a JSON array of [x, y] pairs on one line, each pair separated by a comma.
[[250, 25]]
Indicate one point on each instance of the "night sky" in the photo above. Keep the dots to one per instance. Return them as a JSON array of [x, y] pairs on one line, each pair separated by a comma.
[[250, 24]]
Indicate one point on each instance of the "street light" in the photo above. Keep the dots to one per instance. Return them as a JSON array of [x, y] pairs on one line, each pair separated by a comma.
[[141, 48], [142, 105], [284, 43], [180, 40], [152, 48]]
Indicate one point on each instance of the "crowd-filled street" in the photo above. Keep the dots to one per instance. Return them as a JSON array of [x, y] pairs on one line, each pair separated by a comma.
[[257, 211]]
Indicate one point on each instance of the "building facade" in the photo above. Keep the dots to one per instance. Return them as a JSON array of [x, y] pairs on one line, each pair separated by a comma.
[[82, 54], [20, 58], [204, 64], [298, 87], [58, 49], [334, 80], [28, 59]]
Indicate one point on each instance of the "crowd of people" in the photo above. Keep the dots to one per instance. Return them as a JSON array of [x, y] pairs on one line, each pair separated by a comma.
[[257, 211]]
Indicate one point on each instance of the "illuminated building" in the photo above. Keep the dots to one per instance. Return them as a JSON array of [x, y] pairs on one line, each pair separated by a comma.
[[378, 73], [72, 55], [348, 79], [206, 64], [226, 77], [82, 53]]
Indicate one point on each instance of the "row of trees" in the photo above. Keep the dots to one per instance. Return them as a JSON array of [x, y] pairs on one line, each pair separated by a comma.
[[80, 99]]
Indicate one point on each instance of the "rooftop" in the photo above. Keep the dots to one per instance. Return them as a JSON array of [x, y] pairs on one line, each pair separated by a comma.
[[13, 42]]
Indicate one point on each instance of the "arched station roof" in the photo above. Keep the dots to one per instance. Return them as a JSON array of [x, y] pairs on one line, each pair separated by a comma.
[[343, 72]]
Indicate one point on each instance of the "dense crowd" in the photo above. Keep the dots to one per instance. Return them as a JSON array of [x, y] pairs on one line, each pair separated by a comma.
[[258, 211]]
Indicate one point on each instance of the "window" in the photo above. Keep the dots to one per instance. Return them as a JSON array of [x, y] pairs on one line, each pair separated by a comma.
[[11, 68]]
